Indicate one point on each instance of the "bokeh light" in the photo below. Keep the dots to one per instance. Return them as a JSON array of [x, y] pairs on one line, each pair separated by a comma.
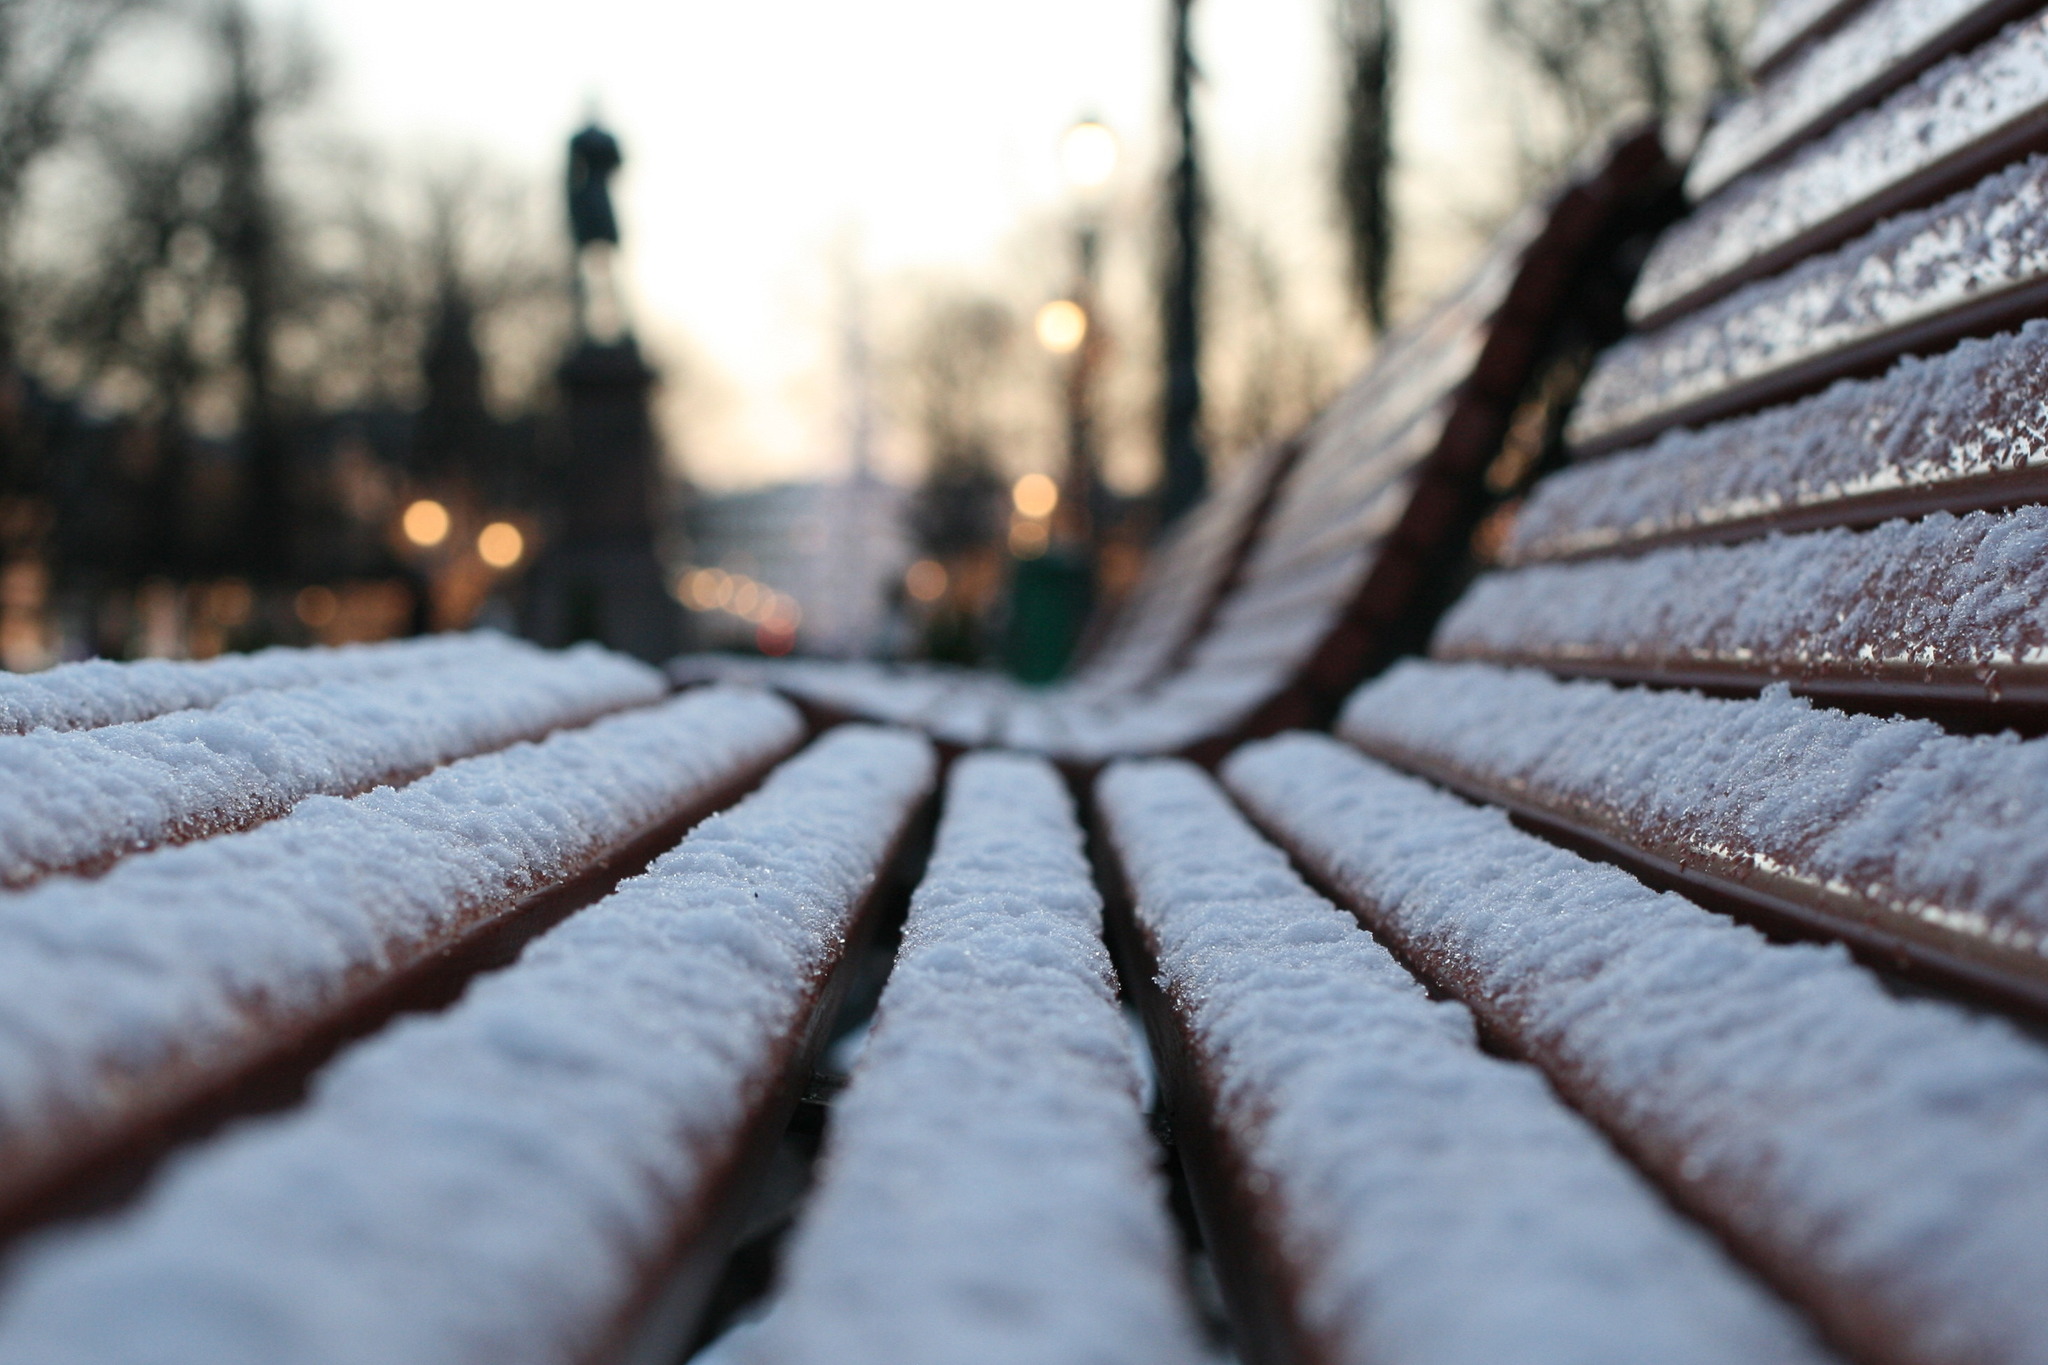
[[425, 523], [1035, 495], [925, 580], [1062, 326], [1088, 153], [500, 545]]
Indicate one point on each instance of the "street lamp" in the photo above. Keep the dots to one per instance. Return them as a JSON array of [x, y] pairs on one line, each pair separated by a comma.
[[1088, 153], [1073, 326]]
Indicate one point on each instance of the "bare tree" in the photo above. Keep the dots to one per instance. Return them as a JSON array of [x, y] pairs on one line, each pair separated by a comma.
[[1602, 60], [1365, 161], [45, 48], [958, 369]]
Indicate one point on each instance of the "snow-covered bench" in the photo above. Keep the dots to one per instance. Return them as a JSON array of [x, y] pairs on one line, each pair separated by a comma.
[[1445, 1071], [344, 843], [1323, 557], [1809, 483]]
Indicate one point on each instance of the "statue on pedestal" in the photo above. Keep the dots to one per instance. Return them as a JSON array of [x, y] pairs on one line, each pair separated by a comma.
[[599, 579]]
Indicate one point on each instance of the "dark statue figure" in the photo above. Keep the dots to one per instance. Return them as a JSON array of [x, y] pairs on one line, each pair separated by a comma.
[[597, 577], [593, 157]]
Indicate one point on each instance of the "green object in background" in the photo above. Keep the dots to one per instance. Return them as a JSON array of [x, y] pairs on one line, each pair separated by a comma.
[[1049, 601]]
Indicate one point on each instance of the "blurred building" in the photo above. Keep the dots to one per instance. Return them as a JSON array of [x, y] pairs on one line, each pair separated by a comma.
[[816, 567]]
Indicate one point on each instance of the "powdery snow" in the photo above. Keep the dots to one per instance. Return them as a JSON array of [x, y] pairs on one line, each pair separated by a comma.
[[1977, 411], [1437, 1205], [123, 992], [1830, 76], [1889, 1151], [1954, 598], [82, 696], [1963, 101], [1938, 836], [489, 1183], [71, 800], [1989, 238], [990, 1191]]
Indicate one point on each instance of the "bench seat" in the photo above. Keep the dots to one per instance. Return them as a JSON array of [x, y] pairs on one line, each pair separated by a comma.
[[511, 1179], [1412, 1198], [991, 1191], [146, 999], [1876, 1157]]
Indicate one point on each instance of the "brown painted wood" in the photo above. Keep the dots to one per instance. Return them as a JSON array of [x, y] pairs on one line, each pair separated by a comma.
[[661, 1319], [1261, 1289], [1873, 355], [1969, 969], [104, 1168]]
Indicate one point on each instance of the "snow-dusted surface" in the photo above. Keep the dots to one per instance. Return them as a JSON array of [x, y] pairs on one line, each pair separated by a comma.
[[82, 696], [119, 993], [1936, 835], [990, 1191], [1943, 595], [1991, 237], [73, 799], [1891, 1151], [1436, 1204], [1964, 100], [488, 1184], [1820, 83], [1976, 411], [1783, 24]]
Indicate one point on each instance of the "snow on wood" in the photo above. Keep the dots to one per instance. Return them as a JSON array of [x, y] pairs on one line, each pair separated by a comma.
[[122, 996], [1977, 412], [82, 696], [1435, 1204], [1907, 272], [1956, 600], [74, 800], [1885, 42], [989, 1190], [1964, 102], [1882, 1156], [493, 1183], [1935, 838]]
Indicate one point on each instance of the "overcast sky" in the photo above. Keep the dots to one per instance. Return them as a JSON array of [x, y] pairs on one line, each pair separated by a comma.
[[760, 138]]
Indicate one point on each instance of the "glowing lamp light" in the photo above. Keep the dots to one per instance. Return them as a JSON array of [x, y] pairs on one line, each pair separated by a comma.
[[1062, 326], [925, 580], [500, 545], [1035, 495], [425, 523], [1088, 153]]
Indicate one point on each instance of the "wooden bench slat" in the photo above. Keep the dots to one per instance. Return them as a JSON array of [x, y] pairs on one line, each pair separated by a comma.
[[129, 1002], [77, 801], [1972, 265], [1958, 122], [506, 1180], [1389, 1191], [1919, 847], [1881, 47], [85, 696], [1963, 431], [989, 1182], [1944, 610], [1879, 1157]]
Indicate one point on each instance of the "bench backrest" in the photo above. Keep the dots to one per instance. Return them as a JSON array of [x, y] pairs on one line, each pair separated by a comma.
[[1824, 472]]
